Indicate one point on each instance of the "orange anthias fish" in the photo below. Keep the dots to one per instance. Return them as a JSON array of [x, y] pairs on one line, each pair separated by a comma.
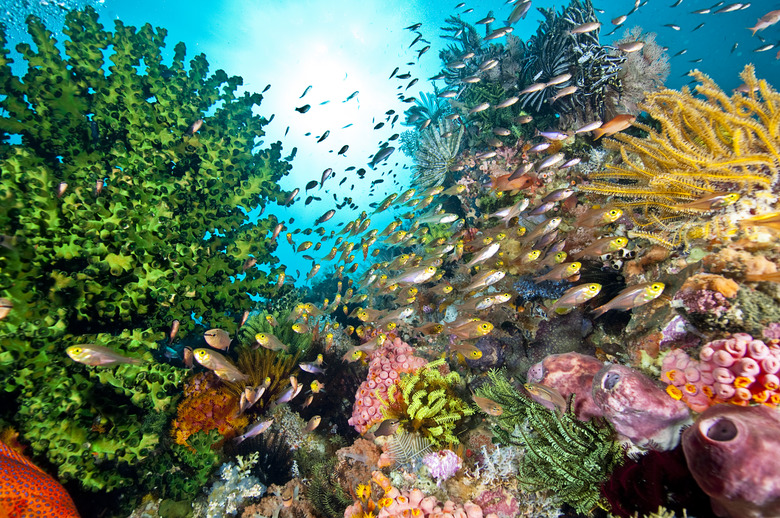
[[26, 490], [619, 123]]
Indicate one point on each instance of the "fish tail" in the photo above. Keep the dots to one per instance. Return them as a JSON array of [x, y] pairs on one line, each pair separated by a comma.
[[598, 133], [599, 311]]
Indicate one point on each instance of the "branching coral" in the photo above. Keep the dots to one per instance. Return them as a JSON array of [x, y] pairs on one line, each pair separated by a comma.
[[674, 183], [425, 402], [436, 152], [563, 454]]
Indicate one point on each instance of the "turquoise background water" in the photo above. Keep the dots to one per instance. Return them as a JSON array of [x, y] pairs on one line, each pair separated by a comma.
[[339, 47]]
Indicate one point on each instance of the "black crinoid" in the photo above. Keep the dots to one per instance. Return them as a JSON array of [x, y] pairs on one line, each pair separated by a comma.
[[554, 51]]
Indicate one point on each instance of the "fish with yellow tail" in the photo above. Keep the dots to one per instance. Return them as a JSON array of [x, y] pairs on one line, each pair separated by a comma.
[[220, 365], [357, 352], [710, 202], [429, 329], [573, 297], [98, 356], [770, 220], [632, 297], [599, 217]]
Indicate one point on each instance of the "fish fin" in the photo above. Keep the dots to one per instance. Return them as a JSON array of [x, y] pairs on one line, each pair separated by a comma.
[[598, 133]]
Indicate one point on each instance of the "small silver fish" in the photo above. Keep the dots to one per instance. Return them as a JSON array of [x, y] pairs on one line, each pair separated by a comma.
[[256, 429]]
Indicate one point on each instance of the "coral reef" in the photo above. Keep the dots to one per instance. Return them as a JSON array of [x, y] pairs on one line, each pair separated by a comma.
[[638, 408], [424, 402], [108, 196], [562, 453], [554, 51], [739, 370], [436, 151], [229, 493], [729, 450], [643, 71], [406, 503], [442, 464], [384, 369], [681, 183], [207, 405]]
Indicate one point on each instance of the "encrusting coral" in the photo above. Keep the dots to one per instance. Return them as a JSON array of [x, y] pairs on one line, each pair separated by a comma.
[[675, 183]]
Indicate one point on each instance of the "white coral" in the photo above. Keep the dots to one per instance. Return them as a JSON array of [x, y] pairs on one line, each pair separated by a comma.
[[229, 493], [499, 465]]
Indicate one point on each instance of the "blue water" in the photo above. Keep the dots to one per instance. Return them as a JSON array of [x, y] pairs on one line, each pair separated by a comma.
[[342, 47]]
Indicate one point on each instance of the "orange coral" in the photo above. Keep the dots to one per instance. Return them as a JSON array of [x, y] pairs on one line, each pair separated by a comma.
[[738, 263], [708, 281], [208, 405]]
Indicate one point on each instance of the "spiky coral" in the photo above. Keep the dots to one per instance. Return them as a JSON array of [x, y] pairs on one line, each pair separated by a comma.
[[437, 148], [718, 144], [425, 402], [567, 456]]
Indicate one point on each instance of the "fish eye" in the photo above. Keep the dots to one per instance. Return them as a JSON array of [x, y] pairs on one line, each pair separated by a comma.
[[614, 213], [476, 355], [486, 327], [76, 350], [658, 286]]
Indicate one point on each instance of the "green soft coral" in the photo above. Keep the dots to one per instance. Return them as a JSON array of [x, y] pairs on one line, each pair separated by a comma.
[[562, 454], [121, 221]]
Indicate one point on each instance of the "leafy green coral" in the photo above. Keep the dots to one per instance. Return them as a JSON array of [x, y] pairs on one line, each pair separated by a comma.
[[562, 454], [122, 215], [425, 402], [133, 249]]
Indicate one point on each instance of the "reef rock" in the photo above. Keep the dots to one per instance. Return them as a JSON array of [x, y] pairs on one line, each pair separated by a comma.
[[638, 408], [569, 373], [732, 452]]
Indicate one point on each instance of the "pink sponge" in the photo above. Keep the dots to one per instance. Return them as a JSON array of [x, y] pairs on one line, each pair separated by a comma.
[[738, 370], [384, 367]]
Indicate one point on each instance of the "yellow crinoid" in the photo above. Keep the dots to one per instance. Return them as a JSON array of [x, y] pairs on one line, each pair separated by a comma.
[[676, 184]]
